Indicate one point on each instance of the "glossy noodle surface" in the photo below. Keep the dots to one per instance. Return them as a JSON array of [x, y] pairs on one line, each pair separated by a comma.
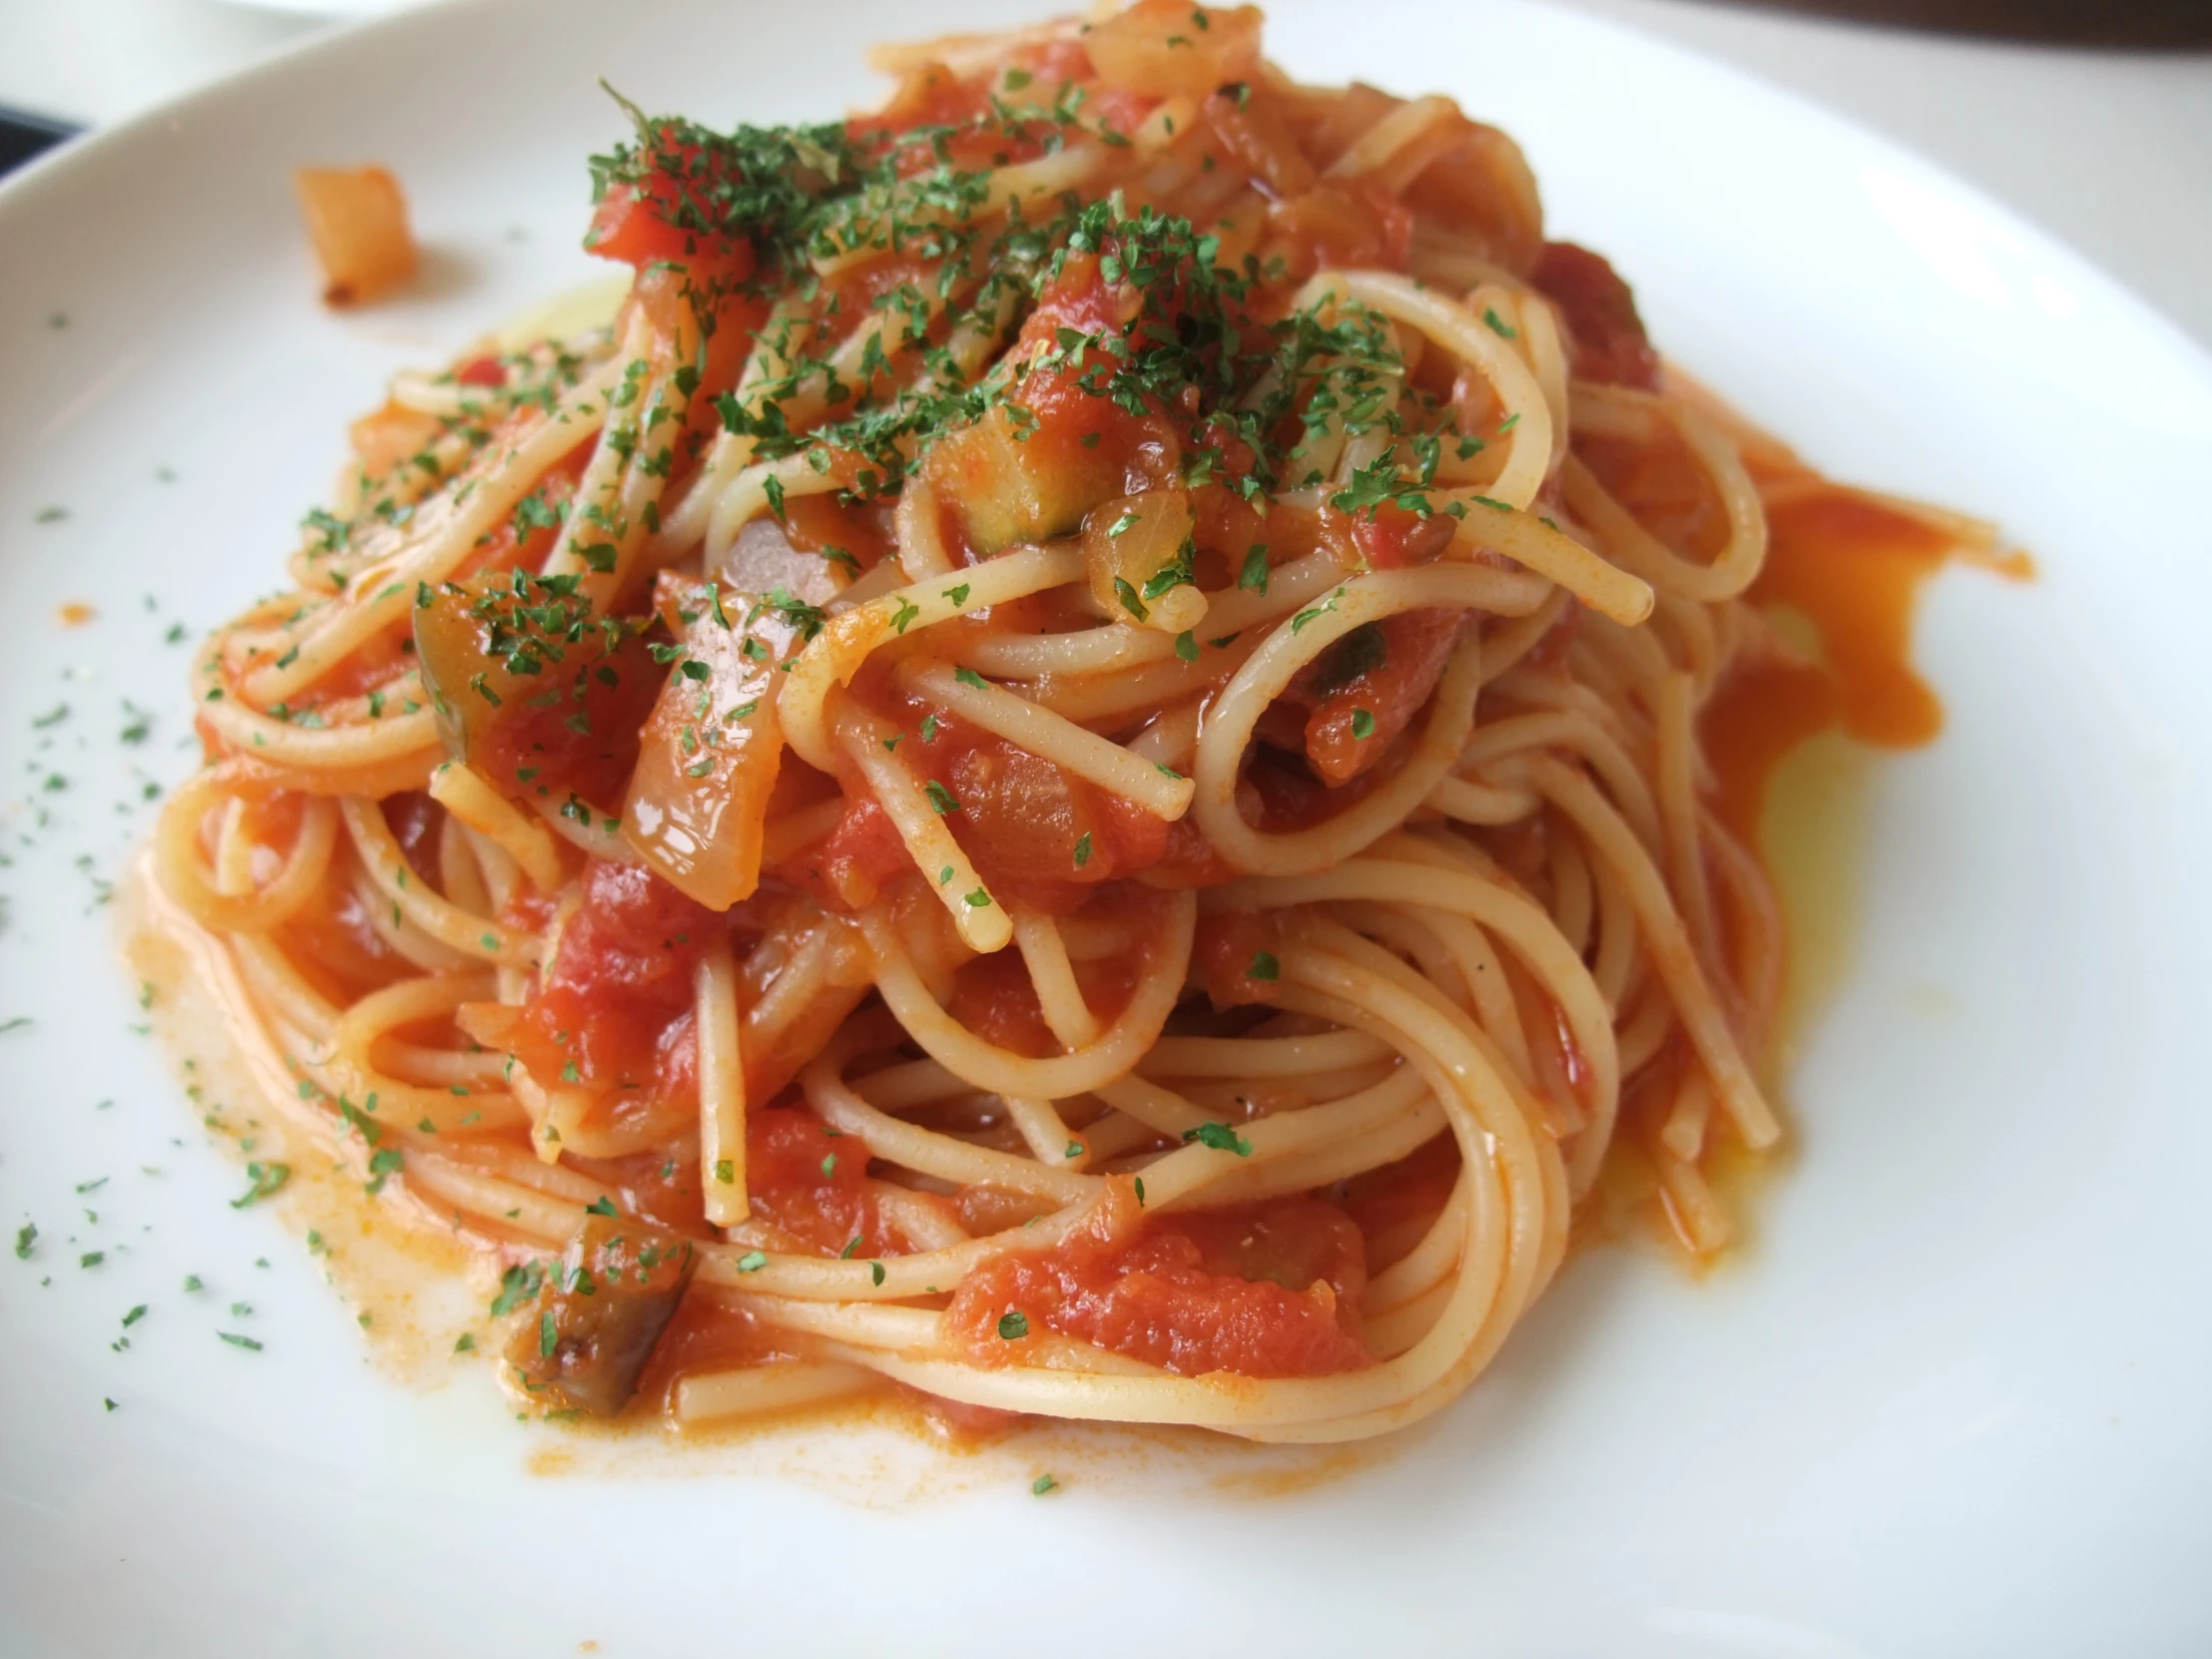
[[1093, 762]]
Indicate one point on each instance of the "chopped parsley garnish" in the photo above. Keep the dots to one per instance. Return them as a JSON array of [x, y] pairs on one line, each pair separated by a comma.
[[1220, 1137], [266, 1178], [516, 1285]]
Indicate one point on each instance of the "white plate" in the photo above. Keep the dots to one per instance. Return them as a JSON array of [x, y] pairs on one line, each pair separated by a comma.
[[1953, 1402]]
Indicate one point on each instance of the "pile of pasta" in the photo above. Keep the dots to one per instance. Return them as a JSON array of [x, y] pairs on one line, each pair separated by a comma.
[[1063, 770]]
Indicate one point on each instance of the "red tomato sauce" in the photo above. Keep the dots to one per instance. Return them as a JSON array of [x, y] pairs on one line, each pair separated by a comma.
[[1606, 334], [803, 1177], [995, 998], [1267, 1290], [615, 1009], [1855, 567], [1035, 832]]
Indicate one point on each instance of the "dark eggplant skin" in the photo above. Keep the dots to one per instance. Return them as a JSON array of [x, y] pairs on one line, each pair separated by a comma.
[[601, 1314]]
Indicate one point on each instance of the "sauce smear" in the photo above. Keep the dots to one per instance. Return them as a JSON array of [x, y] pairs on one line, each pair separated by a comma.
[[1853, 566]]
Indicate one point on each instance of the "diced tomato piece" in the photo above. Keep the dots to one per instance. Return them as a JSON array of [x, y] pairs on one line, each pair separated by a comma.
[[995, 998], [803, 1176], [481, 372], [618, 996], [849, 867], [1387, 536], [1238, 954], [1367, 687], [1268, 1289], [641, 223], [1608, 336]]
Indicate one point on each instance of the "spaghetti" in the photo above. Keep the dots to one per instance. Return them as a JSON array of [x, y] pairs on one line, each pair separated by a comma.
[[1066, 770]]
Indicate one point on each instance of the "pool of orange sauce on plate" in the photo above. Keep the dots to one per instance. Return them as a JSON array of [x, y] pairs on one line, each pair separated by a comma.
[[1791, 742]]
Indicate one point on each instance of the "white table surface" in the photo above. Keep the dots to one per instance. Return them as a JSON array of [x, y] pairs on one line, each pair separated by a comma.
[[2110, 151]]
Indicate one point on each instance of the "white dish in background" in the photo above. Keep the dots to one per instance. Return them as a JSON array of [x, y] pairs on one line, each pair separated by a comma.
[[1951, 1401], [327, 8]]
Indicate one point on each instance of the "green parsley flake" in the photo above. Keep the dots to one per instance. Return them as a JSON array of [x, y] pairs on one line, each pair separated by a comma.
[[1221, 1138], [266, 1178]]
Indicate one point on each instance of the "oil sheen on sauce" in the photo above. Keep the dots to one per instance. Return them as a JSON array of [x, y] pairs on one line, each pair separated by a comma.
[[1791, 741], [1794, 740]]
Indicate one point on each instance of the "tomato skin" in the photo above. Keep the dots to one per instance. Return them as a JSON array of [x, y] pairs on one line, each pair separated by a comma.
[[1387, 536], [803, 1176], [1416, 645], [630, 227], [1034, 831], [619, 993], [481, 372], [1229, 947], [1607, 333], [995, 998], [1265, 1290], [1341, 227]]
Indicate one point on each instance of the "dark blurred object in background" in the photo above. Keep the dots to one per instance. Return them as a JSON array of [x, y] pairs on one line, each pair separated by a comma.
[[24, 136], [2169, 24]]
